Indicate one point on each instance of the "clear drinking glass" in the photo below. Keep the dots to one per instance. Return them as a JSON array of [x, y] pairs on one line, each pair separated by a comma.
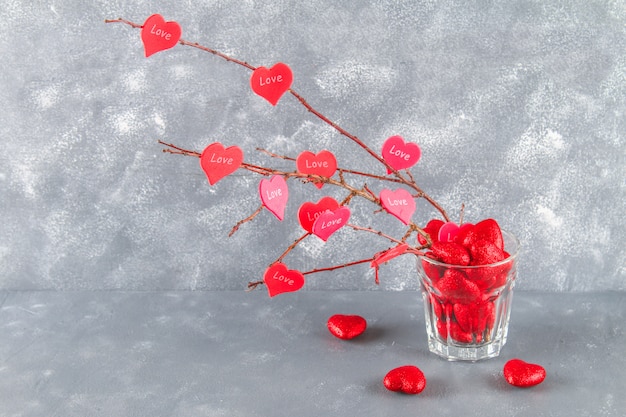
[[467, 308]]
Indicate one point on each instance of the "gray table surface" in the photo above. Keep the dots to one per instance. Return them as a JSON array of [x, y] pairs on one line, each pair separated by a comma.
[[234, 353]]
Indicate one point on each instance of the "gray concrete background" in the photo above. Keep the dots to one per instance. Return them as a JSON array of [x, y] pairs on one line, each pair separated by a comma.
[[518, 107]]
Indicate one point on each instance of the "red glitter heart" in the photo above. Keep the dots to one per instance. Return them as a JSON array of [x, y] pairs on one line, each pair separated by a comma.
[[346, 326], [408, 379], [523, 374]]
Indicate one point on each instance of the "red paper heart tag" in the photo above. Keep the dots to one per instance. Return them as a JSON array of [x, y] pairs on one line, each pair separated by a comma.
[[330, 221], [279, 279], [346, 326], [309, 212], [274, 194], [408, 379], [449, 231], [398, 203], [323, 164], [271, 83], [218, 162], [159, 35], [400, 155], [523, 374]]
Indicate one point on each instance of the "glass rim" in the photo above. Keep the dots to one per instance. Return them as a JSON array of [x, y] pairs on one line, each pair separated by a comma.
[[511, 257]]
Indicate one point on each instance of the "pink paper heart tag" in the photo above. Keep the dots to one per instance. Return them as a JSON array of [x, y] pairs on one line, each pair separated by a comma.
[[274, 195], [309, 212], [159, 35], [449, 231], [400, 155], [218, 162], [398, 203], [279, 279], [323, 164], [271, 83], [330, 221]]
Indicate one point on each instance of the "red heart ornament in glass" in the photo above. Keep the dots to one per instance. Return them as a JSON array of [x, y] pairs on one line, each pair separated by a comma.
[[218, 162], [330, 221], [400, 155], [398, 203], [271, 83], [158, 35], [323, 164], [309, 212], [274, 195], [280, 279]]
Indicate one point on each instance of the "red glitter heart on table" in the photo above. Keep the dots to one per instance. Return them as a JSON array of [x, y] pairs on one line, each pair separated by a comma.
[[523, 374], [218, 162], [159, 35], [330, 221], [280, 279], [400, 155], [309, 212], [274, 194], [346, 326], [323, 164], [271, 83], [408, 379], [398, 203]]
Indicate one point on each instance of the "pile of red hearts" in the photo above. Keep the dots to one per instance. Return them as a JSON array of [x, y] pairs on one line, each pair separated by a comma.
[[464, 276]]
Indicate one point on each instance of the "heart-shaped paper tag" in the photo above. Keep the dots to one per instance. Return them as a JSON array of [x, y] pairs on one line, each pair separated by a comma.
[[159, 35], [279, 279], [323, 164], [449, 231], [330, 221], [400, 155], [309, 212], [218, 162], [408, 379], [523, 374], [274, 194], [398, 203], [271, 83]]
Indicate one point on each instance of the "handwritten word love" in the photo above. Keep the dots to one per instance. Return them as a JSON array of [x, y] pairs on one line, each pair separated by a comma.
[[398, 203], [309, 212], [218, 162], [271, 83], [400, 155], [279, 279], [274, 194], [159, 35], [330, 221], [323, 164]]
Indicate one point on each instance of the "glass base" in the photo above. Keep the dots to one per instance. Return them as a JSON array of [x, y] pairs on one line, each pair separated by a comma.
[[465, 353]]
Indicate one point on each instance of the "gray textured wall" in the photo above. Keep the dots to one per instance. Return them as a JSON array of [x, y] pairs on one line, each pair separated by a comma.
[[518, 107]]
